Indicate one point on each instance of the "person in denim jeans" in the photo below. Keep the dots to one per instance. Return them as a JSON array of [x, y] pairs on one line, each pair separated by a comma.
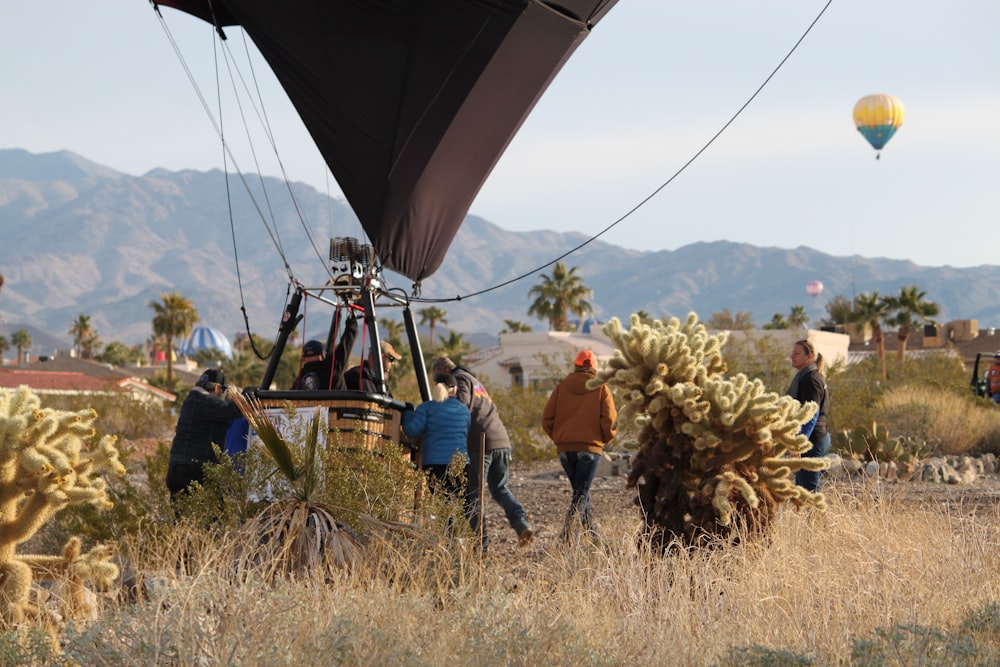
[[580, 421], [488, 429], [810, 385]]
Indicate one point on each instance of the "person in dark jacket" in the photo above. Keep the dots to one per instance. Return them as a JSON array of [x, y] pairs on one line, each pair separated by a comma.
[[810, 385], [580, 422], [361, 378], [205, 416], [444, 425], [495, 463], [323, 371]]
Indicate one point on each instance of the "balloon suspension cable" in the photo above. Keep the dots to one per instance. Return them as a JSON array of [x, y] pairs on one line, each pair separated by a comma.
[[649, 197]]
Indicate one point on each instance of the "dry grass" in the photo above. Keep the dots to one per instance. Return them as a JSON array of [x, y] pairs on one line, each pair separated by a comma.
[[950, 423], [823, 582]]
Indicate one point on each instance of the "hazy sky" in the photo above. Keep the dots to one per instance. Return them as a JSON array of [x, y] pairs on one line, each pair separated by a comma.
[[652, 84]]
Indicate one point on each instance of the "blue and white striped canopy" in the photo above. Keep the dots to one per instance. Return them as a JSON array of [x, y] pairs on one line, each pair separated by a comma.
[[206, 338]]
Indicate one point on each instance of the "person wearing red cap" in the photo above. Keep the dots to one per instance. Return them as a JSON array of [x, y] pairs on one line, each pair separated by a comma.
[[580, 421]]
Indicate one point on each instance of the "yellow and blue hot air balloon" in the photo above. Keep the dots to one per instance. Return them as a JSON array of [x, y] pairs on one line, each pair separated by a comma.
[[878, 117]]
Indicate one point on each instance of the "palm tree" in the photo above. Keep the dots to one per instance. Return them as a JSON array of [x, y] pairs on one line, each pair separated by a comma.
[[515, 326], [871, 309], [394, 330], [909, 309], [777, 322], [4, 346], [85, 339], [21, 340], [797, 318], [296, 534], [453, 347], [432, 315], [174, 318], [562, 293]]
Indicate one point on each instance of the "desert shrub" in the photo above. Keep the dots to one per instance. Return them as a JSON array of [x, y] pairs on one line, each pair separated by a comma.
[[29, 647], [762, 357], [948, 422], [360, 481], [521, 411], [118, 414], [904, 644], [855, 390], [762, 656]]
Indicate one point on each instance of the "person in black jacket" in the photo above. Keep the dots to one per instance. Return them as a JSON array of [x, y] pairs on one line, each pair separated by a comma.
[[810, 385], [323, 371], [205, 416]]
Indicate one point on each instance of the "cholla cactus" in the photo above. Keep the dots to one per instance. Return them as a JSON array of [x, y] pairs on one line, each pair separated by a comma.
[[713, 450], [48, 461]]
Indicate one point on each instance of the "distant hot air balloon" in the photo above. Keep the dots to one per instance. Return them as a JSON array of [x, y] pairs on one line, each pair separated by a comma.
[[206, 338], [878, 117], [814, 288]]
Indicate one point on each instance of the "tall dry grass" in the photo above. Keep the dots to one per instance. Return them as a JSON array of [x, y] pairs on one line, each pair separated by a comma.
[[949, 422], [813, 594]]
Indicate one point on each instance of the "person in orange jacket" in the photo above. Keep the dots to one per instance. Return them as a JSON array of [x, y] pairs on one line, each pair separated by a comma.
[[580, 421]]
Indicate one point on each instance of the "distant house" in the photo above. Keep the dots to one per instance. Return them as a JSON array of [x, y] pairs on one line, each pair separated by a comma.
[[67, 376], [539, 359], [961, 338], [535, 359]]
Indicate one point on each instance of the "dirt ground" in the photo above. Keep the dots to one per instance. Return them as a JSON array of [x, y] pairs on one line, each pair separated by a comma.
[[545, 492]]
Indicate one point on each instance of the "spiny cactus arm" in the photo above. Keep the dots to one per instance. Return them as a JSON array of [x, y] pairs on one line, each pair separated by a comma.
[[16, 410], [729, 484], [803, 498], [95, 566], [28, 518], [103, 457], [64, 430]]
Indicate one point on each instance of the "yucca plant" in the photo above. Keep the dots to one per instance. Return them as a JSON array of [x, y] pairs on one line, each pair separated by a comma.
[[297, 533]]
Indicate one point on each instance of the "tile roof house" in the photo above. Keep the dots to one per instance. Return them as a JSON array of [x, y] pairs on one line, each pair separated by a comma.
[[67, 375]]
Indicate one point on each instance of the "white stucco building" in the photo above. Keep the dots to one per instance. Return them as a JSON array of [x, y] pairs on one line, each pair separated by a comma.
[[542, 358]]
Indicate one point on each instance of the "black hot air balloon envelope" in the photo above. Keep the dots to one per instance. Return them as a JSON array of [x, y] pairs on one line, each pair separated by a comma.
[[410, 102]]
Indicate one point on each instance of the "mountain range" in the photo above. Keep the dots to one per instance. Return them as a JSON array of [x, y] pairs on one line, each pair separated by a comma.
[[84, 238]]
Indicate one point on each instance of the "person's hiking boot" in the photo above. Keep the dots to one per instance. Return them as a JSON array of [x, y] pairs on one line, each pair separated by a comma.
[[525, 536]]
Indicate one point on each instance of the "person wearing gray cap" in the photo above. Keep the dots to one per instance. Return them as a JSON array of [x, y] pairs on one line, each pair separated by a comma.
[[205, 416]]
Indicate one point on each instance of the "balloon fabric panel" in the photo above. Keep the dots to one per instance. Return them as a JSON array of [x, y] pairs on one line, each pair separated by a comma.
[[411, 102]]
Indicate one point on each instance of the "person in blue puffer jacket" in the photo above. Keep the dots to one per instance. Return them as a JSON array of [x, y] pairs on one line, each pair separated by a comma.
[[444, 424]]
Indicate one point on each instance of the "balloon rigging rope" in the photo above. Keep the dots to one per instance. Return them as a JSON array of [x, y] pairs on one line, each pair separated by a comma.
[[652, 194], [228, 151], [271, 228], [266, 124]]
